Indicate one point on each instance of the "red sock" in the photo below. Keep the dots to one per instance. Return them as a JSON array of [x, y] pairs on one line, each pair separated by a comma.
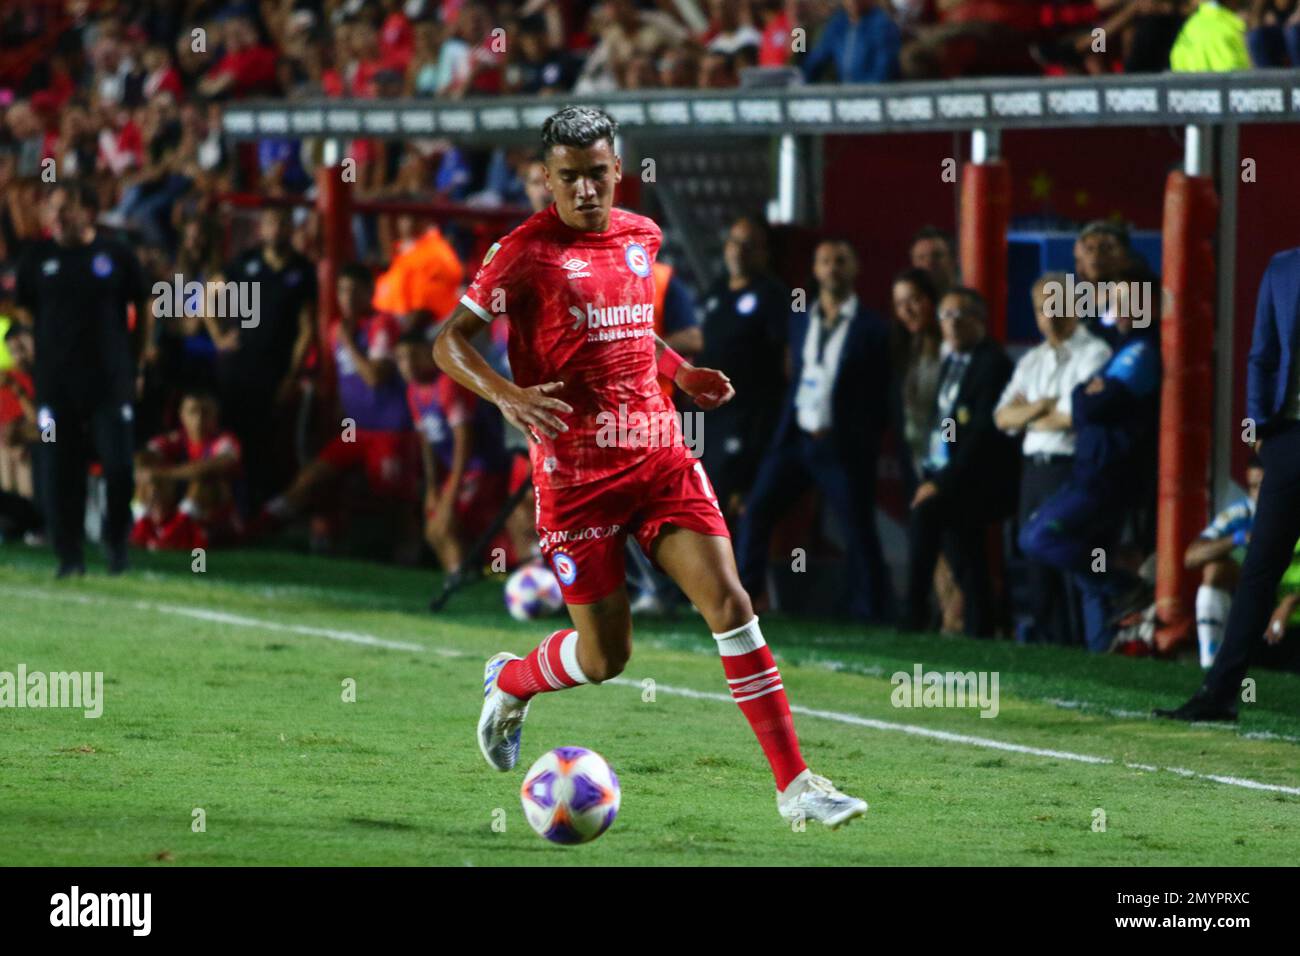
[[756, 686], [551, 665]]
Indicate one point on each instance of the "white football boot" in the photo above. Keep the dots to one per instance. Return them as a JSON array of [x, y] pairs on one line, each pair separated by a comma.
[[810, 797], [500, 725]]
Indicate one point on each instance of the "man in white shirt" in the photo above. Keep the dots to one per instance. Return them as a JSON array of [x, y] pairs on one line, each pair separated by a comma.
[[1036, 404]]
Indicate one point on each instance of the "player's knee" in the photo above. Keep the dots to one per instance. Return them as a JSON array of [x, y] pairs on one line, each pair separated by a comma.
[[733, 609], [607, 666], [1219, 574]]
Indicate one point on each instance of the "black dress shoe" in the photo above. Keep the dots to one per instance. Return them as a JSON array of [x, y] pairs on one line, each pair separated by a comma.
[[70, 569], [115, 557], [1200, 707]]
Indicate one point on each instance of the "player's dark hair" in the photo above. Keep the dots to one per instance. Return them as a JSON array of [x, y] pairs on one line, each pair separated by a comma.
[[201, 393], [758, 221], [1108, 227], [416, 335], [971, 301], [931, 232], [80, 192], [577, 126], [357, 273], [921, 280], [834, 240], [1254, 461], [16, 329]]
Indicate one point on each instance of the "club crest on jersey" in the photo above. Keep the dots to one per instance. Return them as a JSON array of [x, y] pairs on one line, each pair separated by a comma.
[[638, 260], [566, 569], [101, 265]]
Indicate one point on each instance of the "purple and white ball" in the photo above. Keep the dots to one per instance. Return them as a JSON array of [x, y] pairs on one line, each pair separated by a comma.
[[533, 591], [570, 795]]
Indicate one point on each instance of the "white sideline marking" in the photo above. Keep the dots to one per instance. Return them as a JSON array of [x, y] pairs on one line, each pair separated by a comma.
[[369, 640]]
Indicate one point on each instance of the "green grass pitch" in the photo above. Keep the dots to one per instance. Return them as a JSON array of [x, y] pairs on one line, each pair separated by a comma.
[[224, 693]]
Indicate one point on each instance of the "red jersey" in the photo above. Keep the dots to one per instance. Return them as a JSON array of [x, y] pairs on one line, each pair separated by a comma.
[[180, 532], [581, 311], [175, 447], [11, 407]]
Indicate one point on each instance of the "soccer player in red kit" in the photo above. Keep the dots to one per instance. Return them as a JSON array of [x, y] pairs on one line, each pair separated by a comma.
[[575, 283]]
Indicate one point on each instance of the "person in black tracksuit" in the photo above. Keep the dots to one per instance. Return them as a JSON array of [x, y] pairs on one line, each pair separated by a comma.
[[1273, 404], [78, 287]]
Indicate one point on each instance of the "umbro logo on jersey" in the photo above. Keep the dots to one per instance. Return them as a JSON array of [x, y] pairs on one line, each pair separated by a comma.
[[576, 269]]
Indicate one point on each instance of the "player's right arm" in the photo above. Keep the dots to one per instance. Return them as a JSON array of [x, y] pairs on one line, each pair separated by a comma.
[[530, 409]]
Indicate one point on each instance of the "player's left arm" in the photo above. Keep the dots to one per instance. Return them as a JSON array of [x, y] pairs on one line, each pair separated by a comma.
[[708, 387]]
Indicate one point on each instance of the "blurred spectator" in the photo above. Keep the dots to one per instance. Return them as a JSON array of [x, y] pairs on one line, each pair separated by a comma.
[[862, 43], [246, 68], [1273, 37], [1036, 405], [829, 433], [969, 471], [679, 67], [625, 31], [375, 437], [777, 21], [203, 458], [422, 75], [259, 359], [914, 347], [20, 514], [542, 65], [745, 331], [18, 429], [1134, 34], [163, 525], [1103, 253], [424, 277], [1078, 528], [1213, 40], [1218, 553], [462, 452], [150, 193], [932, 250], [732, 28], [676, 321], [973, 38]]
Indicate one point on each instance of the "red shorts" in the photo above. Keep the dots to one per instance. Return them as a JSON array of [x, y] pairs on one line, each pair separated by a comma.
[[583, 528], [389, 459]]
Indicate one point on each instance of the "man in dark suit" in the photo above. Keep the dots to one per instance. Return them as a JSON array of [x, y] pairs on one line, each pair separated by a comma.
[[1273, 403], [970, 476], [829, 433]]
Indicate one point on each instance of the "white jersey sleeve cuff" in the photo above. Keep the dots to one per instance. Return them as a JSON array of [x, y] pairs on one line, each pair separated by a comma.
[[477, 309]]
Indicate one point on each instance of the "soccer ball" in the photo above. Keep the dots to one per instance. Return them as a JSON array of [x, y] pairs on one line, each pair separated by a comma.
[[570, 795], [532, 591]]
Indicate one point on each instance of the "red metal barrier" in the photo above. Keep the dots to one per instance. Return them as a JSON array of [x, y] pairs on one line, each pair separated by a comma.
[[1187, 395]]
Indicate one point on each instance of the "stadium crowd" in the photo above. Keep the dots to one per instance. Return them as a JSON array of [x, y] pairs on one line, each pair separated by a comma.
[[235, 425]]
